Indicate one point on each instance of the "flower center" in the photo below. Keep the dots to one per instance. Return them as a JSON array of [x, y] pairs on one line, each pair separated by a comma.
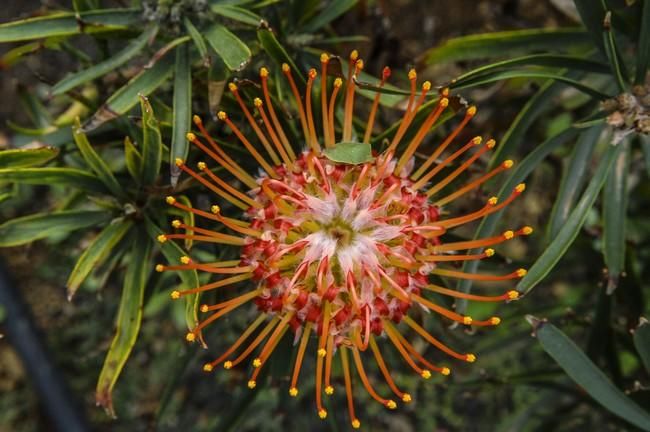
[[340, 231]]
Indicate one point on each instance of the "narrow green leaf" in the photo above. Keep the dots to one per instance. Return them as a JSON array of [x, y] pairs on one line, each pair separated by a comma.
[[613, 55], [353, 153], [19, 158], [277, 52], [519, 173], [614, 215], [26, 229], [133, 159], [199, 42], [231, 49], [643, 48], [237, 14], [54, 176], [190, 279], [573, 179], [571, 229], [151, 143], [592, 13], [587, 375], [506, 43], [129, 317], [330, 12], [96, 163], [551, 60], [96, 252], [182, 110], [66, 23], [645, 148], [127, 97], [509, 74], [642, 342], [110, 64]]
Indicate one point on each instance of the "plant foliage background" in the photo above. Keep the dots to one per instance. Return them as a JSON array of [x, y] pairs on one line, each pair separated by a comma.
[[561, 85]]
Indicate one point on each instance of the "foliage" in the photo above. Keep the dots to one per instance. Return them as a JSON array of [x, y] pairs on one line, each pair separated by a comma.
[[110, 131]]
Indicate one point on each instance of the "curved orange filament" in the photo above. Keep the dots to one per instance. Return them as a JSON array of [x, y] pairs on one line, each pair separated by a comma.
[[348, 386], [472, 244], [228, 188], [260, 337], [474, 184], [242, 138], [234, 304], [215, 285], [274, 136], [330, 112], [328, 365], [296, 95], [419, 357], [445, 258], [222, 193], [444, 182], [237, 171], [274, 117], [253, 123], [299, 357], [375, 103], [210, 269], [251, 328], [401, 130], [390, 332], [442, 311], [472, 276], [471, 143], [349, 99], [209, 308], [433, 341], [211, 237], [270, 345], [313, 141], [366, 383], [329, 141], [471, 111], [385, 373]]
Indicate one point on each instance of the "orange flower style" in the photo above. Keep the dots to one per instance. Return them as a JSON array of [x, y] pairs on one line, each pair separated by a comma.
[[336, 242]]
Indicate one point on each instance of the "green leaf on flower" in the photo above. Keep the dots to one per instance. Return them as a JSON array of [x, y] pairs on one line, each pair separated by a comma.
[[352, 153], [19, 158], [231, 49], [151, 143], [72, 177]]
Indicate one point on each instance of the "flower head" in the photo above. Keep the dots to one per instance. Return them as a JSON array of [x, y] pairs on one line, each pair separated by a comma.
[[337, 244]]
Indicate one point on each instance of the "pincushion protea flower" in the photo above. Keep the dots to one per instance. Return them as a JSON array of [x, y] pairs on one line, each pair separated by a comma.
[[339, 251]]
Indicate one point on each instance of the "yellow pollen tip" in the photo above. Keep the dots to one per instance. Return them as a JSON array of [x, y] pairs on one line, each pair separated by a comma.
[[522, 272], [264, 72], [221, 115], [196, 119], [426, 85], [406, 398], [338, 82], [201, 166], [185, 259], [312, 73], [162, 238], [293, 392], [470, 358], [324, 58], [508, 234], [491, 143], [356, 424], [322, 414], [251, 384], [227, 364], [467, 320], [508, 164], [359, 64], [285, 67], [413, 74], [471, 111], [176, 223], [445, 92], [215, 209], [160, 267], [175, 295], [527, 230], [207, 367], [495, 320], [489, 252], [520, 187], [329, 390], [354, 54], [477, 140], [190, 136], [322, 352], [493, 201], [257, 102], [257, 363], [444, 102], [190, 337], [512, 294], [445, 371], [232, 87], [204, 308], [178, 162], [170, 200], [426, 374], [391, 404]]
